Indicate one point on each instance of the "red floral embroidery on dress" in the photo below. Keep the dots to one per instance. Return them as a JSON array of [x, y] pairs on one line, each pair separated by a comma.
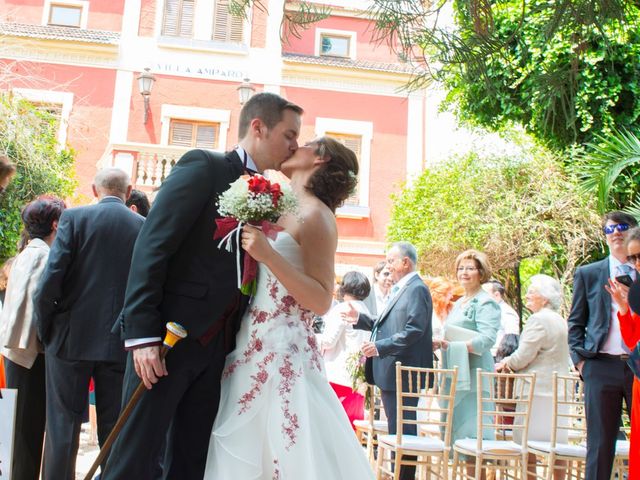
[[254, 346], [260, 379], [259, 316], [290, 425], [276, 469]]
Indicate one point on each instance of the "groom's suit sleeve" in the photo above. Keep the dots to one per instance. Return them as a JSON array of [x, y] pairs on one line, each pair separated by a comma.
[[418, 316], [181, 199]]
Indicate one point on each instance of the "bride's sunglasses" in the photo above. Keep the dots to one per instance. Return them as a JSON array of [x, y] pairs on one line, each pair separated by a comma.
[[633, 258]]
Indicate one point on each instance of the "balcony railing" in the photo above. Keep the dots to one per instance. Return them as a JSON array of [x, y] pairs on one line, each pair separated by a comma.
[[149, 164]]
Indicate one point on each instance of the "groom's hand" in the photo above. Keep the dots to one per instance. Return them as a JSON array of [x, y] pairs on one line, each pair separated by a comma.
[[148, 365]]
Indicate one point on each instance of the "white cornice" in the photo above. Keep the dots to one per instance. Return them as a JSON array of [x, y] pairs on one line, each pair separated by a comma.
[[56, 51]]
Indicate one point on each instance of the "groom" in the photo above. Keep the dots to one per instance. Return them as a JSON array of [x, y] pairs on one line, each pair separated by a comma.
[[178, 274]]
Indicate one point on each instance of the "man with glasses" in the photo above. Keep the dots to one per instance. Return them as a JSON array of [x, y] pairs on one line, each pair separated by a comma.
[[400, 333], [597, 348]]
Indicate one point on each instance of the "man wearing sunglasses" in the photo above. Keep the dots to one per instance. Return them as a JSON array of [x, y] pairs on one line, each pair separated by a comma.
[[597, 349]]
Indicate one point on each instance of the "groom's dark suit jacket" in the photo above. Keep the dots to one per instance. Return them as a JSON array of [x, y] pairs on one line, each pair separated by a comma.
[[402, 334], [178, 274]]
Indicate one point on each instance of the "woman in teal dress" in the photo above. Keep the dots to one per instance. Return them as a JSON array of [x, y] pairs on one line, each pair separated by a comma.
[[470, 332]]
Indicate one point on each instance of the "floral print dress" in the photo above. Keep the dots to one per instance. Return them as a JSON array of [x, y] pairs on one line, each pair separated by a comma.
[[278, 416]]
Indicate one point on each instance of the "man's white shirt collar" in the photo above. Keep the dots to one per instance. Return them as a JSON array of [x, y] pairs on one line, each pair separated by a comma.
[[403, 281], [251, 165]]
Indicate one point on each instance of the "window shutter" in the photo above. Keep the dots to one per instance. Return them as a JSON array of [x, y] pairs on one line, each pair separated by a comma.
[[184, 133], [181, 134], [354, 143], [207, 136], [226, 27], [178, 18], [186, 18]]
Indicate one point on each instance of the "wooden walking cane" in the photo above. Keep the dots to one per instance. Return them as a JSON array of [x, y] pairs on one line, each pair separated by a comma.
[[175, 333]]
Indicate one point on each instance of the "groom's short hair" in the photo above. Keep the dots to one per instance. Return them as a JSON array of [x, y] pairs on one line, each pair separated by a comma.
[[266, 106]]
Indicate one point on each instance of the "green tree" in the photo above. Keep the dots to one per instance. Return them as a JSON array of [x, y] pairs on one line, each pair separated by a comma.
[[28, 137], [564, 69], [513, 205]]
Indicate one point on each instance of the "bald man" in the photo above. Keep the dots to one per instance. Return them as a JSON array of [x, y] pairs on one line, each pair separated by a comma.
[[78, 299]]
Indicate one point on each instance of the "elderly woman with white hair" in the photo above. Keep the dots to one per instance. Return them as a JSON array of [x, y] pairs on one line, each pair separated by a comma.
[[543, 349]]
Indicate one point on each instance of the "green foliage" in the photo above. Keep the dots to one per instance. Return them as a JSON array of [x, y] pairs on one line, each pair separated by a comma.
[[565, 87], [606, 166], [513, 205], [28, 137]]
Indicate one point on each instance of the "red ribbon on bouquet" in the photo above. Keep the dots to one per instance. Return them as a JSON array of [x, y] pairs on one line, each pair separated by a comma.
[[226, 229]]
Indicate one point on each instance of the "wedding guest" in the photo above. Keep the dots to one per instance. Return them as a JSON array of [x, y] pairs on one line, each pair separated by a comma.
[[402, 333], [4, 277], [382, 283], [443, 293], [21, 349], [543, 349], [597, 348], [77, 302], [7, 171], [138, 202], [340, 342], [476, 316], [630, 331], [509, 318]]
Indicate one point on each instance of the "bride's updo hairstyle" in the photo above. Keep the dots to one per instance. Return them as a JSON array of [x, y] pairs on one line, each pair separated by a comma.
[[336, 179]]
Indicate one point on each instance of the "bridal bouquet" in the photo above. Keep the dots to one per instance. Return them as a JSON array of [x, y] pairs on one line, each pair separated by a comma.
[[256, 201]]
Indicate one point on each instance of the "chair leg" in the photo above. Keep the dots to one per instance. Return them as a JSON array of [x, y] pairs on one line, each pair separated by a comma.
[[454, 466], [397, 462], [379, 463]]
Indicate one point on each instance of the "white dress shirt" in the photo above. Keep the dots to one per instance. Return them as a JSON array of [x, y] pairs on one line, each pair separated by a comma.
[[613, 343]]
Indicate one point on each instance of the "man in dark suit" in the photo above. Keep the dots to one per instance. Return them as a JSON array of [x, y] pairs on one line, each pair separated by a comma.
[[597, 349], [401, 333], [79, 296], [179, 274]]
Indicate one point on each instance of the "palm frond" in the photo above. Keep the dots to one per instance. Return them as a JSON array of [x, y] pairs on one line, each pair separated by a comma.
[[634, 209], [604, 161]]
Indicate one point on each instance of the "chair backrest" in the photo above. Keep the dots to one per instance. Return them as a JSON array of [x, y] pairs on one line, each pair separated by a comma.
[[373, 404], [568, 408], [499, 393], [437, 388]]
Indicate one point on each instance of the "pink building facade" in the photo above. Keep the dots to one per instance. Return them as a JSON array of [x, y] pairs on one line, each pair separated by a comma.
[[82, 60]]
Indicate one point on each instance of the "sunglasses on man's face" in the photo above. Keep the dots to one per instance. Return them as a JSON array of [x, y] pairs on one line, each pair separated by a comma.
[[633, 258], [620, 227]]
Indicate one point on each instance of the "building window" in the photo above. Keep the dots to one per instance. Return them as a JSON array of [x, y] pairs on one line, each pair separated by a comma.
[[358, 136], [334, 45], [227, 28], [65, 15], [51, 118], [354, 143], [178, 18], [185, 133]]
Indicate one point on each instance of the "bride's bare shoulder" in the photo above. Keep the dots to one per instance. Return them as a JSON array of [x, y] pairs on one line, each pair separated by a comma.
[[317, 219]]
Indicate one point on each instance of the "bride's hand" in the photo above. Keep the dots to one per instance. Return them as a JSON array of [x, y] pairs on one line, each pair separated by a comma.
[[255, 243]]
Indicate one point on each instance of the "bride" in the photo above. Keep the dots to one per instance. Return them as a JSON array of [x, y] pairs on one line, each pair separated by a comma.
[[278, 416]]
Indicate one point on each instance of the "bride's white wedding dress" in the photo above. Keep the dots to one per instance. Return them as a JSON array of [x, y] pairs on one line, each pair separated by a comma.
[[278, 416]]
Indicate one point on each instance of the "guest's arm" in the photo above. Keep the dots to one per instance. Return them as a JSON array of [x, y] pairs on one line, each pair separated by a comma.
[[578, 317], [49, 290], [531, 340], [334, 328], [629, 328], [487, 322]]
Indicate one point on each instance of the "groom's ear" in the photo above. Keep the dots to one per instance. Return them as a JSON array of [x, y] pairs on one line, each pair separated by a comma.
[[257, 127]]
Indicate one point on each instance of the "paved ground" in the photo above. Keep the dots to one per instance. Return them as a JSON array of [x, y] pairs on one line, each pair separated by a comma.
[[87, 452]]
